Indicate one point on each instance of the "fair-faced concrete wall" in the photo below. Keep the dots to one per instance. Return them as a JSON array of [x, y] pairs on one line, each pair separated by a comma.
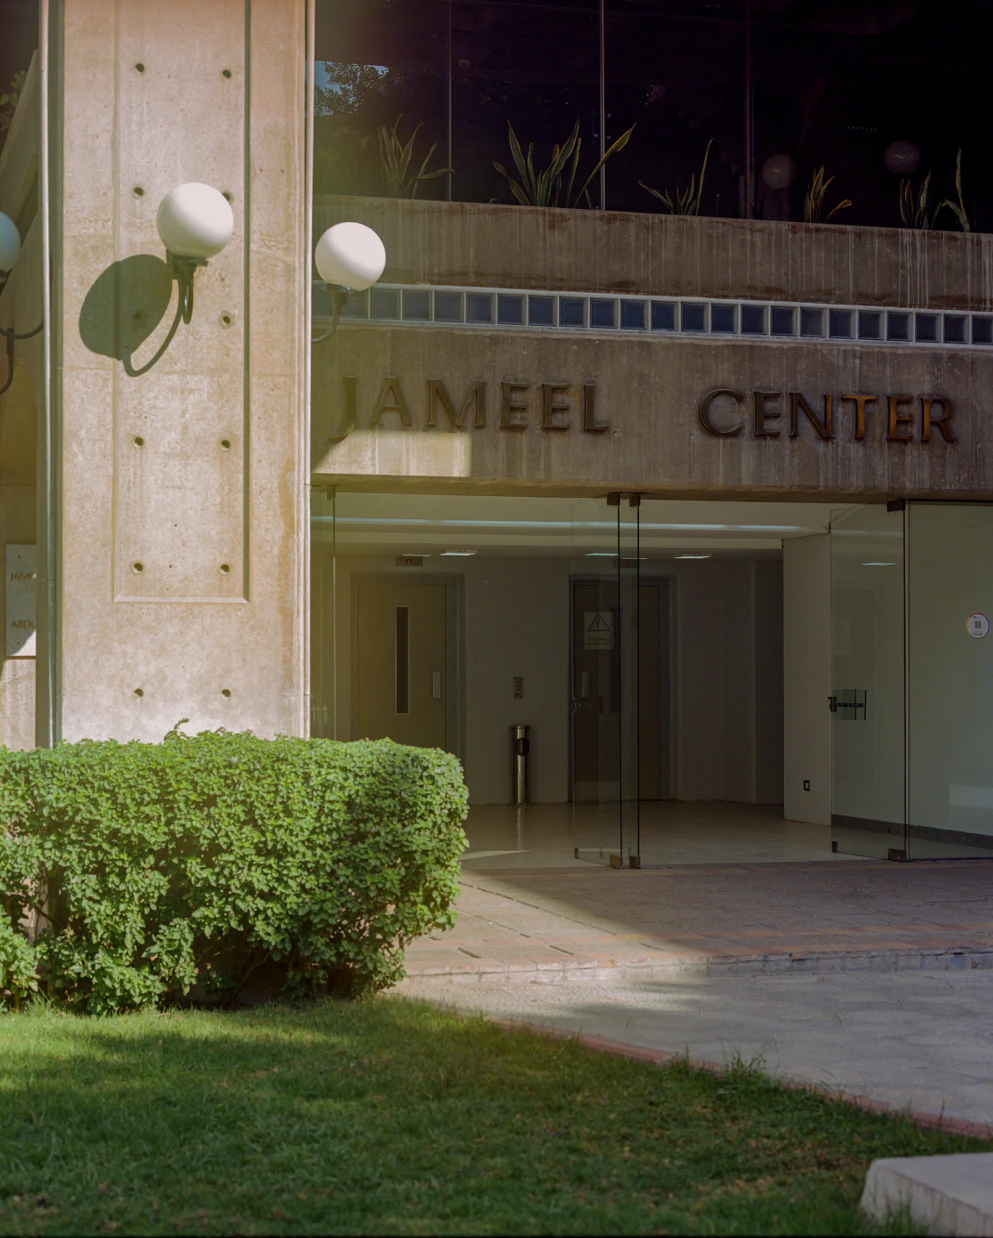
[[196, 470], [806, 662], [649, 389], [488, 245]]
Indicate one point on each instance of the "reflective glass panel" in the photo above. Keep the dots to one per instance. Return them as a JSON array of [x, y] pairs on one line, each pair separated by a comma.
[[950, 677], [867, 694]]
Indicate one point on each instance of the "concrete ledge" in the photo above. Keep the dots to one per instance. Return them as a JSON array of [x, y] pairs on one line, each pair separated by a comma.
[[944, 1194]]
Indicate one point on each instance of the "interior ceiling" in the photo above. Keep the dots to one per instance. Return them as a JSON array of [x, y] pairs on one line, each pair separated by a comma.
[[426, 524]]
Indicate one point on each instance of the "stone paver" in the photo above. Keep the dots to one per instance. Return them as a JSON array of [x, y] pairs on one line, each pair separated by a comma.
[[729, 919], [871, 979]]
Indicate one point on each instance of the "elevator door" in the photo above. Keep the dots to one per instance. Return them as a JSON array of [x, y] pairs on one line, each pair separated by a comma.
[[400, 662], [596, 666]]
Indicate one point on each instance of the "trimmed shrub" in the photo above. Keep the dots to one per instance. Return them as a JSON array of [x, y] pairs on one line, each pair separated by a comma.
[[196, 862]]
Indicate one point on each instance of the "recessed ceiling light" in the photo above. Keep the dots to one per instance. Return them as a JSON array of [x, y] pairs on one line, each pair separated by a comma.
[[601, 554], [415, 554], [458, 553], [879, 563], [693, 556]]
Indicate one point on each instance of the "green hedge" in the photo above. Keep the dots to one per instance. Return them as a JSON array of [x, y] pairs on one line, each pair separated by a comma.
[[200, 860]]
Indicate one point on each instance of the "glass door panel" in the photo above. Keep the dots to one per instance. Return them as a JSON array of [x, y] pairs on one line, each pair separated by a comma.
[[950, 678], [629, 657], [867, 696], [605, 603]]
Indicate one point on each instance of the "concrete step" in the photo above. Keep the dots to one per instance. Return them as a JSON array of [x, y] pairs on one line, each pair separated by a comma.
[[943, 1194]]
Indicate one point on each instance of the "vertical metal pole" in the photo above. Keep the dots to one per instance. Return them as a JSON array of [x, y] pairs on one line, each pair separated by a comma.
[[603, 105], [749, 170], [619, 638], [334, 614], [905, 517], [635, 501], [448, 162], [49, 733], [307, 728]]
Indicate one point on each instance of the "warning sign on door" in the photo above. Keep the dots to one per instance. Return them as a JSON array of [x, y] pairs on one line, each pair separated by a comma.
[[598, 629]]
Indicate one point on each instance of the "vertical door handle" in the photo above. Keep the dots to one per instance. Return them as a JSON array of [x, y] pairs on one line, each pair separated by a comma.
[[436, 685], [584, 690]]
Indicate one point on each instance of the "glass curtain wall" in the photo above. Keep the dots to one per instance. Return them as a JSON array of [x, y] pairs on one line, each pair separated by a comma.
[[912, 667], [950, 681], [769, 92]]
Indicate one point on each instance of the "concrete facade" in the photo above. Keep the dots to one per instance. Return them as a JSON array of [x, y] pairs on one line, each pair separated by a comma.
[[649, 434], [182, 539]]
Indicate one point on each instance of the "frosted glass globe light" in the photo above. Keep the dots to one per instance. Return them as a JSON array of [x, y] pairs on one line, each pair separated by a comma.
[[902, 157], [10, 242], [351, 256], [194, 221], [779, 171]]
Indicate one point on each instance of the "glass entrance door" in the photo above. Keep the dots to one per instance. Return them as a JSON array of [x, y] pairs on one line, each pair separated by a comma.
[[867, 670], [605, 602]]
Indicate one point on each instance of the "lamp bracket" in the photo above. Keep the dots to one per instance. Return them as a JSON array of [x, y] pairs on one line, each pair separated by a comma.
[[339, 295], [10, 336], [182, 269]]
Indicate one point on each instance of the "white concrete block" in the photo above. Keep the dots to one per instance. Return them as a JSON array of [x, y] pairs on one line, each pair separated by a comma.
[[945, 1194]]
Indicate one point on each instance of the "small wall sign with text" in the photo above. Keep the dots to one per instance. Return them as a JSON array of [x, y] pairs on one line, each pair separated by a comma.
[[978, 625], [725, 413], [19, 602], [598, 629]]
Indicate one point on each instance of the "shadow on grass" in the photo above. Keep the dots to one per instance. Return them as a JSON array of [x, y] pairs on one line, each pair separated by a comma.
[[389, 1116]]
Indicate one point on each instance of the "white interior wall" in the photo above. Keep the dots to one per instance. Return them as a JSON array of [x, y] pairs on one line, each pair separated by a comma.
[[516, 622], [737, 734], [769, 722], [726, 670], [728, 665], [806, 628]]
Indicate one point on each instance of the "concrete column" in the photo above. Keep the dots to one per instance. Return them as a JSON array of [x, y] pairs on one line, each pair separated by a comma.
[[182, 494], [807, 678], [21, 311]]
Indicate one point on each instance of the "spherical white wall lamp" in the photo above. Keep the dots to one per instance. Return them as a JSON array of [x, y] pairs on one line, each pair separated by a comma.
[[195, 222], [350, 258], [10, 248], [10, 243]]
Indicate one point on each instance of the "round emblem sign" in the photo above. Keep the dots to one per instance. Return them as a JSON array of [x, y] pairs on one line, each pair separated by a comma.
[[977, 625]]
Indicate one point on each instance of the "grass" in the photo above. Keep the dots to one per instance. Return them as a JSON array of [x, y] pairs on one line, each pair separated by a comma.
[[386, 1116]]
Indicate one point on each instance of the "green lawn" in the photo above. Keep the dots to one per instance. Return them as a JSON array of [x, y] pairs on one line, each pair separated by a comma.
[[386, 1116]]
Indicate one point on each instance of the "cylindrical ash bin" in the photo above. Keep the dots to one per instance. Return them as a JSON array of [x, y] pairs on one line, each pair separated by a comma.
[[520, 747]]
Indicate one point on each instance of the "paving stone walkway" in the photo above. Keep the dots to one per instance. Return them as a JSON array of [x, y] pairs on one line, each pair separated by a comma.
[[870, 979], [917, 1041], [610, 925]]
